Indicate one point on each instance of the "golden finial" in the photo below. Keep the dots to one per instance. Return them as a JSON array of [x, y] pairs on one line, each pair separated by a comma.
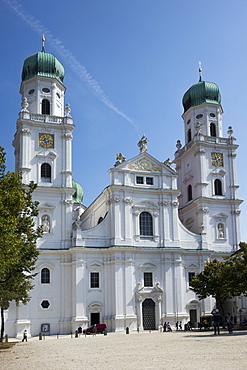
[[200, 71], [43, 41]]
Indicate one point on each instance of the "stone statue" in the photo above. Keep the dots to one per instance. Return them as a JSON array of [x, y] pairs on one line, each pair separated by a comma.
[[220, 231], [120, 158], [143, 144], [45, 224]]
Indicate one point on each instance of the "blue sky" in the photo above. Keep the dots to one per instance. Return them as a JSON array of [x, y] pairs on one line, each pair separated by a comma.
[[128, 64]]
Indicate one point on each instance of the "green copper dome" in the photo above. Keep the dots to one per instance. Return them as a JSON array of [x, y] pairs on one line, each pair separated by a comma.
[[78, 194], [42, 64], [202, 92]]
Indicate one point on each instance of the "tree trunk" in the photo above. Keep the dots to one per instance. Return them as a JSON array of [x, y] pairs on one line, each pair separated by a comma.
[[2, 324]]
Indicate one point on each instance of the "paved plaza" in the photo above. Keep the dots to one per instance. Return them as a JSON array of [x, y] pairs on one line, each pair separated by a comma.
[[177, 350]]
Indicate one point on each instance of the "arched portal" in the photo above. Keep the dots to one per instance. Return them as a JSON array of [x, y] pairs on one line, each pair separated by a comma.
[[148, 314]]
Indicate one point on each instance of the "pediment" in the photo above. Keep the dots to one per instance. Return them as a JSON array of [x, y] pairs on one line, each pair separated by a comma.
[[95, 265], [192, 266], [218, 172], [145, 164], [147, 265], [46, 206], [46, 154], [220, 215]]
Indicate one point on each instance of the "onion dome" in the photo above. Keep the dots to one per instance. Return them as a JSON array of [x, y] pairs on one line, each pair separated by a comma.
[[202, 92], [78, 194], [42, 64]]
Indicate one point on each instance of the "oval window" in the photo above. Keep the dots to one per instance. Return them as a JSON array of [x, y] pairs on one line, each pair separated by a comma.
[[46, 90], [199, 116], [212, 115], [188, 121], [30, 92], [58, 95]]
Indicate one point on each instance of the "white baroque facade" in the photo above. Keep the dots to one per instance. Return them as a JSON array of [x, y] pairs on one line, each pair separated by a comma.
[[128, 258]]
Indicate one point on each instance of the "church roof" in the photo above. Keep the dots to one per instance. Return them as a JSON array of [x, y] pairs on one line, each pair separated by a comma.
[[78, 194], [201, 92], [42, 64]]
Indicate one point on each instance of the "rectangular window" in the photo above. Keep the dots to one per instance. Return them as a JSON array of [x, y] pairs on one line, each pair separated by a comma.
[[191, 276], [94, 276], [139, 180], [148, 279], [149, 180]]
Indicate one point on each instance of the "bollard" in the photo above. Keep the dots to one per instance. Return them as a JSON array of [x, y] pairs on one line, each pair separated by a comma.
[[40, 336], [105, 331], [57, 336], [138, 330], [6, 338], [76, 333], [127, 330]]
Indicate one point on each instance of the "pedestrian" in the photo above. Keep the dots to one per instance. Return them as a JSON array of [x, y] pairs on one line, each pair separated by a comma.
[[164, 327], [169, 328], [24, 336], [94, 330], [180, 325], [79, 330], [177, 325], [229, 323], [216, 318]]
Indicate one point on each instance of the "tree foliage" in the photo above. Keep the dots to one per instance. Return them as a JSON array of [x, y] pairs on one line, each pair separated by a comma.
[[223, 279], [18, 236]]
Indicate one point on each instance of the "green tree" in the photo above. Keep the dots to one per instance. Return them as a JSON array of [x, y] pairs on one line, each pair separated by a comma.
[[215, 281], [223, 279], [18, 236]]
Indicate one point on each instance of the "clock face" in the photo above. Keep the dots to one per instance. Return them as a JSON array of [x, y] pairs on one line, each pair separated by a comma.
[[46, 140], [217, 159]]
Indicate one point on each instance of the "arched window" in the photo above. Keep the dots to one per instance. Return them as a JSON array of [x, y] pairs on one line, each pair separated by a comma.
[[189, 192], [45, 106], [45, 276], [45, 172], [189, 135], [212, 129], [217, 187], [146, 224]]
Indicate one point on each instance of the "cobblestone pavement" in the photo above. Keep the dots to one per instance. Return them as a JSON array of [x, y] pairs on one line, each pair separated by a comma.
[[155, 350]]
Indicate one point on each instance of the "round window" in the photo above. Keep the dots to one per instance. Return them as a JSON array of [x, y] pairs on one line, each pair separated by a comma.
[[199, 116], [30, 92], [45, 90], [212, 115]]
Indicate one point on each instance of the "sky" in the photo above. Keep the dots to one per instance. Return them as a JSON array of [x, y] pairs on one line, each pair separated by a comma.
[[128, 64]]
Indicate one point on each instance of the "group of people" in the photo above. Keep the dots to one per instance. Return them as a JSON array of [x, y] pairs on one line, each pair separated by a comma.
[[167, 327]]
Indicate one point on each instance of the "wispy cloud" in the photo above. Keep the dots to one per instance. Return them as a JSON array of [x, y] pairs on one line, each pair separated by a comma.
[[67, 55]]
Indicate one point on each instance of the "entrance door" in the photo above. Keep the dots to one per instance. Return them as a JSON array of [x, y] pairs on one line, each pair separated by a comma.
[[148, 314], [95, 318], [193, 318]]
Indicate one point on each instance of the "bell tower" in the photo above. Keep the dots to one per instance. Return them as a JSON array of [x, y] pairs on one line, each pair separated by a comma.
[[206, 167], [43, 146]]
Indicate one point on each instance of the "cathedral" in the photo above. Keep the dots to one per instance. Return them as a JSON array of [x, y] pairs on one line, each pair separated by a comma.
[[127, 260]]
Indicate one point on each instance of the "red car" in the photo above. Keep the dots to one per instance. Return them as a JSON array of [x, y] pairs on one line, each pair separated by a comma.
[[100, 329]]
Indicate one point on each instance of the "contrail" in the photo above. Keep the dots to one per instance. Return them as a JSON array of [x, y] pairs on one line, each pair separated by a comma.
[[66, 54]]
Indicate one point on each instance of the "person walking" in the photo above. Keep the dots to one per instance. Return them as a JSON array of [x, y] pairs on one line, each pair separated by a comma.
[[216, 318], [24, 336], [229, 323]]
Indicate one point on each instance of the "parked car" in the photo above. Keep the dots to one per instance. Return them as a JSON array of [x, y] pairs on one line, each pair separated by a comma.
[[100, 329]]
